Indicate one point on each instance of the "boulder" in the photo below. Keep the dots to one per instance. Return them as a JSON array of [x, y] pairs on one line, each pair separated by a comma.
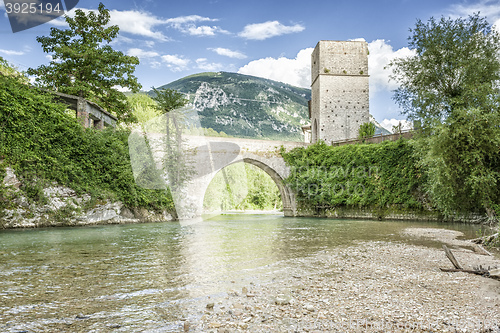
[[10, 179]]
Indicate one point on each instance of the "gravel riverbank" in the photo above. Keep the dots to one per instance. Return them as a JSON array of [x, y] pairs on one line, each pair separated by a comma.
[[367, 287]]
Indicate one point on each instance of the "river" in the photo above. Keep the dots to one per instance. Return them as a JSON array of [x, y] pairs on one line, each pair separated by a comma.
[[153, 277]]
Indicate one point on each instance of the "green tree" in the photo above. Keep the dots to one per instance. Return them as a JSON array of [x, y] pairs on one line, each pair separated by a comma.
[[7, 70], [143, 107], [450, 87], [169, 104], [366, 130], [169, 100], [455, 66], [84, 63]]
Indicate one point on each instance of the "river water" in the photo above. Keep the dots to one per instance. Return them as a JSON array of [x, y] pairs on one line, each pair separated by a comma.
[[152, 277]]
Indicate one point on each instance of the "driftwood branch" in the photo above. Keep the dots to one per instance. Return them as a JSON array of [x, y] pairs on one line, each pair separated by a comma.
[[485, 239], [451, 257], [481, 250], [494, 274]]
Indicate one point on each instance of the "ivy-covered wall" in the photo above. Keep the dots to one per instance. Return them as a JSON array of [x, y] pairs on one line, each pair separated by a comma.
[[379, 178]]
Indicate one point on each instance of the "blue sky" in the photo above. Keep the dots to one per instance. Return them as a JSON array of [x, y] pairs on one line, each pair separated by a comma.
[[272, 39]]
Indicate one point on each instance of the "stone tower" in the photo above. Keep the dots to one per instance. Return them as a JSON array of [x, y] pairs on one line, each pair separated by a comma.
[[339, 90]]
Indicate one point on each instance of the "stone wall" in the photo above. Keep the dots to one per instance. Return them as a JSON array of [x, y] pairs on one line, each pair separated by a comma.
[[339, 91], [375, 139], [398, 214]]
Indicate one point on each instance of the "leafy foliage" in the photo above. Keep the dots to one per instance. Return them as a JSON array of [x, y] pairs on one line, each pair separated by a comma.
[[463, 162], [143, 107], [372, 176], [242, 186], [451, 88], [169, 103], [456, 66], [366, 130], [84, 63], [44, 144]]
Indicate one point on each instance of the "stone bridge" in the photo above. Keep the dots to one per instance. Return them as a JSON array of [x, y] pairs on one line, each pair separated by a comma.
[[214, 153], [208, 156]]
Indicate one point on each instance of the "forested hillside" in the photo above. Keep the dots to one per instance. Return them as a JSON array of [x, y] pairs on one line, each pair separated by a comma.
[[247, 106]]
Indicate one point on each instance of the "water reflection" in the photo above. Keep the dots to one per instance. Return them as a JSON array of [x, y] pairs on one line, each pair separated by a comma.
[[152, 276]]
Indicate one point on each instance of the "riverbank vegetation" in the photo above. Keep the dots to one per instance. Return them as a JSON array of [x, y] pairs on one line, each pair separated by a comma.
[[450, 87], [375, 176], [45, 145]]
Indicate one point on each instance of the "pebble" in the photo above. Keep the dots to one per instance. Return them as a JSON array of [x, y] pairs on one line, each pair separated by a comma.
[[309, 307], [404, 287]]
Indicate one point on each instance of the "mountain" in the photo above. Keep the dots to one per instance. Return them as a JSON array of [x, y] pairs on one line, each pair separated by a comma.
[[247, 106], [378, 128]]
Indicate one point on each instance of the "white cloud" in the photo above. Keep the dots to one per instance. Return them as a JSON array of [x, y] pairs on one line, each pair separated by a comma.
[[204, 65], [228, 53], [132, 21], [295, 71], [497, 25], [261, 31], [122, 89], [187, 24], [155, 64], [178, 21], [120, 39], [389, 123], [174, 62], [141, 54], [380, 55], [60, 21], [203, 30], [488, 8], [138, 23], [11, 52], [357, 40], [146, 24]]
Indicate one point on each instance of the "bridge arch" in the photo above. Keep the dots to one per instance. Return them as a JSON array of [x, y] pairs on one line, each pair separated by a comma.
[[287, 196]]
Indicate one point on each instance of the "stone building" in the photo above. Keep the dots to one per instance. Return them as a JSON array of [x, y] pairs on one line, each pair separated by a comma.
[[88, 113], [339, 90]]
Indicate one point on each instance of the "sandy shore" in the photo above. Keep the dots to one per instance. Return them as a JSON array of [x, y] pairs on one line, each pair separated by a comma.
[[368, 287]]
